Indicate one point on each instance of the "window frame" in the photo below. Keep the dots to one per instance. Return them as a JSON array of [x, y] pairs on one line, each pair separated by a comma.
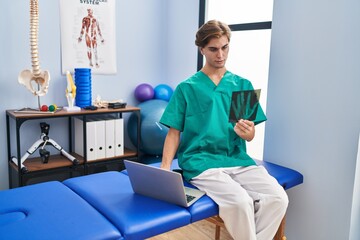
[[234, 27]]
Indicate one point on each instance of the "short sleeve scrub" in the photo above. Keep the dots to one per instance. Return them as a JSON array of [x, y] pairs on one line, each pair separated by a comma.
[[200, 110]]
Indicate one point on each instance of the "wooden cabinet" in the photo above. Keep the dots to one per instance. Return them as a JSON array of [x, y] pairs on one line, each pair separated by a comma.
[[25, 168]]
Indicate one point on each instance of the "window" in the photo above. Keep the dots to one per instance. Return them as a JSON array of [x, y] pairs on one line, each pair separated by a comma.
[[250, 22]]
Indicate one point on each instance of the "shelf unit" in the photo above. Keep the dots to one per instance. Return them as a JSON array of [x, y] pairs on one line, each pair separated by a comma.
[[59, 167]]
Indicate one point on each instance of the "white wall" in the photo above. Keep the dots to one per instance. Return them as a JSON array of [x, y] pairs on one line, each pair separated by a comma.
[[181, 53], [314, 112]]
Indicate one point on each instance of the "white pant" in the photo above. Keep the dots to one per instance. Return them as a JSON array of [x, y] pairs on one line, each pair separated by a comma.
[[251, 202]]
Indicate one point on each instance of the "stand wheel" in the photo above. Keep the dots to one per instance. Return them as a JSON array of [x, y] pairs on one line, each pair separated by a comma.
[[24, 170], [45, 155], [76, 162]]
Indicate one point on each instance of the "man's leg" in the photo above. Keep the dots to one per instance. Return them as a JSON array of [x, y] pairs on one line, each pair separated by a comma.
[[270, 199], [94, 47], [89, 49], [236, 207]]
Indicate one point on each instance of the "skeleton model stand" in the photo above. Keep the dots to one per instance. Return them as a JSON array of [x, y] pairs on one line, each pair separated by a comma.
[[44, 154], [34, 76]]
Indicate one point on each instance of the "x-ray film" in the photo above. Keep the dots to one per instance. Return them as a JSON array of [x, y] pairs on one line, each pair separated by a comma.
[[244, 105]]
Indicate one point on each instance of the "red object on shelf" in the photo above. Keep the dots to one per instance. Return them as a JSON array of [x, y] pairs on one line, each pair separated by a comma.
[[44, 108]]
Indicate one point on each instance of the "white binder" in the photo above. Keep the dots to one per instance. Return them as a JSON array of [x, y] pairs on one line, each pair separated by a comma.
[[109, 138], [100, 139], [119, 137], [90, 138]]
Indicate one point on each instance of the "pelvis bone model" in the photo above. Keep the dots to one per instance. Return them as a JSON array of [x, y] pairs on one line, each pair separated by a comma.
[[35, 76]]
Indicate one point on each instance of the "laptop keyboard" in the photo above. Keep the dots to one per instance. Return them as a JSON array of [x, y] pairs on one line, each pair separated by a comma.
[[189, 198]]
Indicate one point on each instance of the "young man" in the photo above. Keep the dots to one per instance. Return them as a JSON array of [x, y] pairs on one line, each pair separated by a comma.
[[212, 150]]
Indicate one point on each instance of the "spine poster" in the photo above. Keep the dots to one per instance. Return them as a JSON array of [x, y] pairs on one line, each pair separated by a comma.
[[88, 38]]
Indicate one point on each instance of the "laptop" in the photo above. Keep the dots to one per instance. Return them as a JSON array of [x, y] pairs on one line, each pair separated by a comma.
[[161, 184]]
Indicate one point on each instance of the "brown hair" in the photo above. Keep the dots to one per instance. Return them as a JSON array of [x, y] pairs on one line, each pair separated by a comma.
[[211, 29]]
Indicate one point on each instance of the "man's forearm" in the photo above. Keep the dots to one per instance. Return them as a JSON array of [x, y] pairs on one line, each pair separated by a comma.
[[171, 145]]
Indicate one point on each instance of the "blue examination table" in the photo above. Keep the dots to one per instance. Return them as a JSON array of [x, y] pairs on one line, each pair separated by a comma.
[[102, 206]]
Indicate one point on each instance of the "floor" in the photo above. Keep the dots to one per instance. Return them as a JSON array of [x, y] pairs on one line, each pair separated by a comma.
[[201, 230]]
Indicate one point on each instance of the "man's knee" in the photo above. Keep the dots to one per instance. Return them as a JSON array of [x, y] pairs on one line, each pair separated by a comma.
[[242, 204], [282, 200]]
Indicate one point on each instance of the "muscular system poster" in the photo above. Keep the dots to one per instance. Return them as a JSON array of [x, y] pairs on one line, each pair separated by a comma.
[[88, 35]]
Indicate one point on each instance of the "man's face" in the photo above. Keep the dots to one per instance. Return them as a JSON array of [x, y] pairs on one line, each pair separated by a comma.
[[216, 52]]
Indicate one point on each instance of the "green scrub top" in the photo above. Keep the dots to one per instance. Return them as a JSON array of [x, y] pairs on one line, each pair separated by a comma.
[[200, 110]]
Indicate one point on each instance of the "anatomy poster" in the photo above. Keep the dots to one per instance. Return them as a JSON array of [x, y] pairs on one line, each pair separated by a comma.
[[88, 35]]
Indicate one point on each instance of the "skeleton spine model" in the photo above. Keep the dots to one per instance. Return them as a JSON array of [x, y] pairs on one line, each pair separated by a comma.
[[27, 77]]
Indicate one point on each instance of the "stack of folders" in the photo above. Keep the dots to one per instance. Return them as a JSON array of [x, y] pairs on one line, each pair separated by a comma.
[[104, 137]]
